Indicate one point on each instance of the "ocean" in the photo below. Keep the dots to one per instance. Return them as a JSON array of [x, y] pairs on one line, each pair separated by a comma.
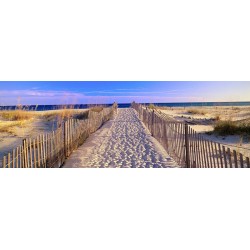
[[125, 105]]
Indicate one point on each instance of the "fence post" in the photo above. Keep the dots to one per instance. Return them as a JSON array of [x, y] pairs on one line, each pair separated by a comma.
[[187, 146], [152, 126], [4, 162], [65, 138], [24, 153]]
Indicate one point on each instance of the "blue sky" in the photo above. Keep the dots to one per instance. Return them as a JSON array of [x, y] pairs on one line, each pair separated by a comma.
[[27, 93]]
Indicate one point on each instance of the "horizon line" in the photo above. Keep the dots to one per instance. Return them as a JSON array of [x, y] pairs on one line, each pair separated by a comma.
[[120, 103]]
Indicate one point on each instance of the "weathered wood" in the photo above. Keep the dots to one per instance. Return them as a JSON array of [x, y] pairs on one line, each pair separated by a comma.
[[241, 161], [4, 162], [213, 154], [187, 147], [21, 157], [25, 154], [221, 156], [30, 153], [217, 155], [248, 162], [13, 158], [38, 152], [194, 164], [204, 165], [44, 151], [190, 144], [17, 157], [197, 148], [9, 161], [229, 157], [65, 136], [34, 149], [179, 134], [225, 156], [210, 153], [207, 153], [193, 148], [235, 159], [182, 156], [51, 146], [54, 145]]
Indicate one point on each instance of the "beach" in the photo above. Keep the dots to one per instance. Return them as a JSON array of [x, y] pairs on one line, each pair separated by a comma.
[[203, 120], [123, 142], [12, 132]]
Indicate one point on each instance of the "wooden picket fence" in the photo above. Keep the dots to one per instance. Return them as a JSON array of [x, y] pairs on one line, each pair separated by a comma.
[[51, 150], [185, 146]]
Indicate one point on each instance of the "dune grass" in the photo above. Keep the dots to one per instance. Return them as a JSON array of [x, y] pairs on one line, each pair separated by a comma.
[[196, 111], [152, 106], [97, 109], [231, 128], [7, 127], [65, 114], [16, 115]]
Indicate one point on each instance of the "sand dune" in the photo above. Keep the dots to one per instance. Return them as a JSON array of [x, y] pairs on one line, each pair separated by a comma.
[[203, 123], [121, 142]]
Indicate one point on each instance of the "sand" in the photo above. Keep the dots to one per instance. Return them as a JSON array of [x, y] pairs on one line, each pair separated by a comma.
[[123, 142], [41, 122], [203, 123]]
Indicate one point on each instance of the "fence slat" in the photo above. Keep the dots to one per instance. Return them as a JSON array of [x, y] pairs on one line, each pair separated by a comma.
[[34, 149], [9, 160], [217, 156], [13, 158], [24, 154], [4, 162], [30, 153], [235, 159], [225, 156], [247, 161], [221, 156], [44, 151], [241, 161], [229, 157], [187, 147], [17, 157], [207, 154], [21, 157], [214, 156], [38, 152]]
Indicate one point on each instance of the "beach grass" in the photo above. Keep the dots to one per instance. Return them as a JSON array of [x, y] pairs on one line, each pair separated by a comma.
[[229, 127], [97, 109], [16, 115], [7, 127], [196, 111], [153, 106]]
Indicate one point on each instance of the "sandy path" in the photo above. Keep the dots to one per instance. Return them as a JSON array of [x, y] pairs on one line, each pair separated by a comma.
[[122, 142]]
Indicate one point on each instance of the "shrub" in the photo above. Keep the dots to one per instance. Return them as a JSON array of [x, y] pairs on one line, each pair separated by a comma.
[[82, 115], [151, 106]]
